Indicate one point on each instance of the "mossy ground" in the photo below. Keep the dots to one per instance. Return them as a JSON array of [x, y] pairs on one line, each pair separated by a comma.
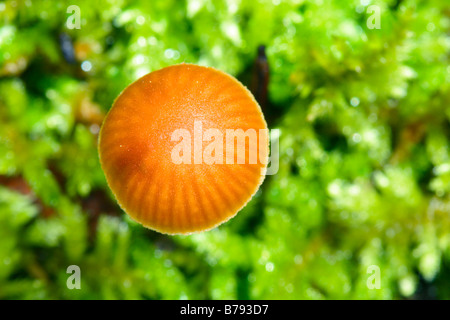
[[364, 173]]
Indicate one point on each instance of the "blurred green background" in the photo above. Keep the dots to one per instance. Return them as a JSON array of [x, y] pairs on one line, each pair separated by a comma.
[[364, 175]]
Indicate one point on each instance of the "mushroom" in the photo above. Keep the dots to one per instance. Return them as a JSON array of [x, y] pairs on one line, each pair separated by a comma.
[[167, 154]]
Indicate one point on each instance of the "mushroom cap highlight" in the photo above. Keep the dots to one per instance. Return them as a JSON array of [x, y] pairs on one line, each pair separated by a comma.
[[137, 141]]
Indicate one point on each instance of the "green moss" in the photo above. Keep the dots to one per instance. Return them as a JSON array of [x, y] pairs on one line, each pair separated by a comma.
[[364, 173]]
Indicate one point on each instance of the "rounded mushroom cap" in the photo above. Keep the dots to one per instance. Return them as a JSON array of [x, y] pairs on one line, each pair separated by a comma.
[[165, 117]]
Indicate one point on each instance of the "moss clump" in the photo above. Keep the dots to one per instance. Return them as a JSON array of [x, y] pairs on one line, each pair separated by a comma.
[[364, 175]]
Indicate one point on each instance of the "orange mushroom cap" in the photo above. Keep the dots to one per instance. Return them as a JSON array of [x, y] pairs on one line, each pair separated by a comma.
[[137, 141]]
